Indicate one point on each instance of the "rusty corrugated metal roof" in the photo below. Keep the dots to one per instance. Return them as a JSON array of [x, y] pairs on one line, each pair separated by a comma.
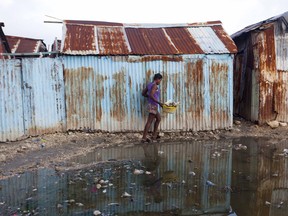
[[104, 38], [25, 45], [283, 17]]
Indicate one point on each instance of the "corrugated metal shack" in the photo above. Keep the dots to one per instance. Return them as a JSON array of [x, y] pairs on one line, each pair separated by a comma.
[[96, 83], [260, 72], [106, 65]]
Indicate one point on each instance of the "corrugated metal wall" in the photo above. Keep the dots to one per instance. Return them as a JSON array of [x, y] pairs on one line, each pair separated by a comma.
[[32, 97], [104, 93], [11, 104], [260, 74], [43, 95]]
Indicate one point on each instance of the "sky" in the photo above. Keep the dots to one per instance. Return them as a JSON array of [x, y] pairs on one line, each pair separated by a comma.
[[26, 18]]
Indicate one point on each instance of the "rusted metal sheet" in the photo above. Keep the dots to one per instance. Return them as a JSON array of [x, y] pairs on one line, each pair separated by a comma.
[[183, 41], [79, 39], [11, 104], [227, 41], [151, 41], [265, 50], [43, 96], [104, 93], [25, 45], [112, 40], [101, 38], [260, 70]]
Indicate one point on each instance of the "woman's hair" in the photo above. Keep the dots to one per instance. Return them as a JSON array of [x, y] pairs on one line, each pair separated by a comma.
[[157, 76]]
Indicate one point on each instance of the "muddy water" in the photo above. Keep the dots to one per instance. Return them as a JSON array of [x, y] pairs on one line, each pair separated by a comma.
[[189, 178]]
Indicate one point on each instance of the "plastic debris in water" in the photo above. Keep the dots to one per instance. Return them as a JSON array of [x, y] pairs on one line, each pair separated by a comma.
[[79, 204], [125, 194], [160, 152], [285, 151], [59, 206], [138, 172], [210, 183], [113, 204], [104, 191], [98, 186], [192, 173], [267, 203], [240, 147], [148, 173], [96, 212]]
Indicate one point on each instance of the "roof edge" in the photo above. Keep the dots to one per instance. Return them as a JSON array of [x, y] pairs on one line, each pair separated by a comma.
[[257, 25], [141, 25]]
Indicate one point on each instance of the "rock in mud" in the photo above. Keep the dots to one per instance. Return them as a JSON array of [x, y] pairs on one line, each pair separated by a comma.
[[273, 124], [237, 122], [2, 158], [283, 124]]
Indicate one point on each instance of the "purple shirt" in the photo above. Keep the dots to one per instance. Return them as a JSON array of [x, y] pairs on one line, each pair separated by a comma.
[[156, 94]]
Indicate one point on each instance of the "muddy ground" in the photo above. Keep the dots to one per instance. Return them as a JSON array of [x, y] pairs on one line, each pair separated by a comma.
[[54, 150]]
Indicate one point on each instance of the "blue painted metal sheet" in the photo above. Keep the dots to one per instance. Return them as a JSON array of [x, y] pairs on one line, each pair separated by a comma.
[[43, 95], [104, 93], [11, 107]]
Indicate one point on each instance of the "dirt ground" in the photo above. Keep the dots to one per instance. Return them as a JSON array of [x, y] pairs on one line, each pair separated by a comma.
[[52, 150]]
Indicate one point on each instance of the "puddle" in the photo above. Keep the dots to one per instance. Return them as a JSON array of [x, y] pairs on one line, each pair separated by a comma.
[[187, 178]]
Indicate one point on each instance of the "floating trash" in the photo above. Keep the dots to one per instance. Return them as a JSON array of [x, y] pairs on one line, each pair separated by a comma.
[[138, 172], [80, 204], [192, 173], [125, 194], [210, 183], [96, 212]]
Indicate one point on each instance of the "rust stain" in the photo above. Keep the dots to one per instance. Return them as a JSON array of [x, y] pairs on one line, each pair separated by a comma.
[[265, 49], [194, 88], [79, 38], [99, 95], [148, 76], [112, 40], [118, 91], [161, 58], [219, 73], [225, 38], [77, 95]]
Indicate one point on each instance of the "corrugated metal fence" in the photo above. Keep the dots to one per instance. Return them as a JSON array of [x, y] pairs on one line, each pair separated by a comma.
[[32, 97], [104, 93]]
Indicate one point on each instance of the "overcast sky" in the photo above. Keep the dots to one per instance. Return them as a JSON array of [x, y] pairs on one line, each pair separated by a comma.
[[26, 17]]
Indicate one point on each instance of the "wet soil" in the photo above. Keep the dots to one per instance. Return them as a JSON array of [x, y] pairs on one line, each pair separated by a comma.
[[52, 150]]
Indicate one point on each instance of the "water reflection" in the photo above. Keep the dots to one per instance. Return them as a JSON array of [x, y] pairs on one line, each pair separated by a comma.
[[260, 177], [189, 178]]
